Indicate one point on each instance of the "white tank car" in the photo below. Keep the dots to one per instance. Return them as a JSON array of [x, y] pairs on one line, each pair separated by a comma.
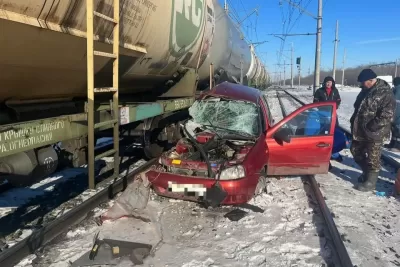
[[43, 45], [259, 72], [251, 73], [229, 52]]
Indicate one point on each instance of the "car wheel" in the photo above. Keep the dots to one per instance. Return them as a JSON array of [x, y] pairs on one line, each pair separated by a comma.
[[261, 186]]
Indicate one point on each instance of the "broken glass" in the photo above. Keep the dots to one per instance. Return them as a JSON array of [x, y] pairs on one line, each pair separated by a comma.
[[234, 115]]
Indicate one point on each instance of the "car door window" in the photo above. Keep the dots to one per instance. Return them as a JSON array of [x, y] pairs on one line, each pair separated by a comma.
[[314, 121]]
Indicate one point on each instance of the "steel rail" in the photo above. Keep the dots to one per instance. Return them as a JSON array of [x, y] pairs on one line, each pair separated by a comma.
[[48, 232], [340, 250]]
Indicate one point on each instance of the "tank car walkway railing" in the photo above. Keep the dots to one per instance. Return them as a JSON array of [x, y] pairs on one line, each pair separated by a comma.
[[91, 90]]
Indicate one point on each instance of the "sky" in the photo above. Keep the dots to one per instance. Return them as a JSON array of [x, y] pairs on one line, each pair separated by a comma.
[[368, 30]]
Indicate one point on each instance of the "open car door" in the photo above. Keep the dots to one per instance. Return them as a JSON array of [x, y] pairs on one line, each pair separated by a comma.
[[302, 142]]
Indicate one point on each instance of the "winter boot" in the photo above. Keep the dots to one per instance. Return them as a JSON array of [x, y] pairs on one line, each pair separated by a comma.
[[361, 178], [370, 182]]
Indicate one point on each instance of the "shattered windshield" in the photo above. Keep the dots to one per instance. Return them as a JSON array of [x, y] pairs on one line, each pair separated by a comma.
[[233, 115]]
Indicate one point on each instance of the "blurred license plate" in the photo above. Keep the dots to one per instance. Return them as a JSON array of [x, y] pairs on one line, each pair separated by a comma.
[[197, 190]]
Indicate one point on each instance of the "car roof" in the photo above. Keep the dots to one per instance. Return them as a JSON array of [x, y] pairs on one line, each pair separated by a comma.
[[236, 92]]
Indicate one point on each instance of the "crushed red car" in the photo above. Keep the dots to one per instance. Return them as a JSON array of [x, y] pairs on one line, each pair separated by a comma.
[[231, 147]]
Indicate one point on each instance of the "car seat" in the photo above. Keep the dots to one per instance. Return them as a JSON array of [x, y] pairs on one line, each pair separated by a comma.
[[318, 123]]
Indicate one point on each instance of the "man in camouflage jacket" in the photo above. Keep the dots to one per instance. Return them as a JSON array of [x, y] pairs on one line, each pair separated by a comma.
[[370, 124]]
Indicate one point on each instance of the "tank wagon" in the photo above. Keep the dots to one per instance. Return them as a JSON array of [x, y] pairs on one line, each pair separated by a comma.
[[166, 48]]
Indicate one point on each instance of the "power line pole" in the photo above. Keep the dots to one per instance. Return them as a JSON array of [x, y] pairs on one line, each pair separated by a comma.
[[291, 71], [318, 39], [280, 78], [335, 50], [309, 70], [318, 47], [299, 74], [344, 61], [395, 70], [284, 72], [226, 7]]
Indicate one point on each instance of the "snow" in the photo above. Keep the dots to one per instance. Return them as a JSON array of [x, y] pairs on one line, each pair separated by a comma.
[[16, 197], [70, 192], [184, 234], [369, 224], [274, 106]]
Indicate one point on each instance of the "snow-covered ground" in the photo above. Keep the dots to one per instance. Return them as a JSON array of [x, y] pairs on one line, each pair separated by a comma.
[[286, 233], [49, 198], [16, 197], [369, 225], [47, 207], [274, 106]]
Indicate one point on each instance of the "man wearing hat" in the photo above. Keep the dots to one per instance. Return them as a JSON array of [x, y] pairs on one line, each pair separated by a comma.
[[371, 122], [328, 92]]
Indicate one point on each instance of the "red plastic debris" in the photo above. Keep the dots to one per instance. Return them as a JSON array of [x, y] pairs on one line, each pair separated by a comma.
[[204, 137]]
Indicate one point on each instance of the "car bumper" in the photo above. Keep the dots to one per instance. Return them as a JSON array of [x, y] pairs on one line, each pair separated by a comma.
[[238, 191]]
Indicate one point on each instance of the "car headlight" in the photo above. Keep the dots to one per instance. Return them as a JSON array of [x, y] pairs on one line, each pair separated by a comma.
[[232, 173]]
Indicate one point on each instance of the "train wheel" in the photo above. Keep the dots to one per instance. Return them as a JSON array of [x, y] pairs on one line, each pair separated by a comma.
[[153, 146], [161, 136]]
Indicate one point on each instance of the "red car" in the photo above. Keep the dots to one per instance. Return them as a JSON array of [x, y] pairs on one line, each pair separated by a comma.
[[231, 146]]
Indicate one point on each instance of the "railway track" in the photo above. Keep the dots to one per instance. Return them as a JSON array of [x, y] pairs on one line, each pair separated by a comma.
[[51, 230], [339, 248]]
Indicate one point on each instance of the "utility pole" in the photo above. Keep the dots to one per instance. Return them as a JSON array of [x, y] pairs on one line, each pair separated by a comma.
[[335, 50], [280, 78], [291, 71], [298, 62], [241, 71], [226, 7], [309, 70], [284, 72], [344, 61], [299, 74], [318, 47], [318, 39], [395, 70]]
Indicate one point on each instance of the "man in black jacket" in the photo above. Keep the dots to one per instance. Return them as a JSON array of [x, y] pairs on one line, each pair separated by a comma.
[[328, 92], [371, 122]]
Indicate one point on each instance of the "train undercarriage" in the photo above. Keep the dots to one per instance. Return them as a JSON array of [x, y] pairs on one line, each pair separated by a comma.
[[33, 149]]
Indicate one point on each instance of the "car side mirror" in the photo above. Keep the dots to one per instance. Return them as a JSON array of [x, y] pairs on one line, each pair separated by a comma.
[[283, 134]]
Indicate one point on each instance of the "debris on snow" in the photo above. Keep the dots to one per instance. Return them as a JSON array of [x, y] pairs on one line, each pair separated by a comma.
[[132, 201], [184, 234], [236, 214]]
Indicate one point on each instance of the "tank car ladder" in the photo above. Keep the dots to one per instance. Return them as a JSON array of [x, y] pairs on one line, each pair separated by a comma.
[[91, 91]]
